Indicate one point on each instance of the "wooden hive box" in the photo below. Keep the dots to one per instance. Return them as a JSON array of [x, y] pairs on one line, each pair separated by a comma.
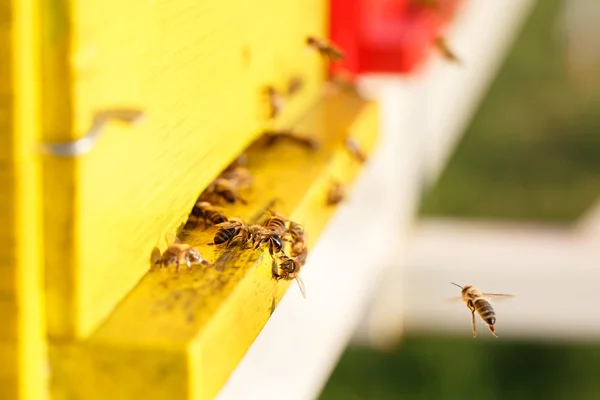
[[178, 90]]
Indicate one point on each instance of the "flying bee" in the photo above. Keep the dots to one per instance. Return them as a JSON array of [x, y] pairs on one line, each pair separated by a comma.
[[355, 150], [477, 301], [327, 50], [230, 231], [276, 223], [272, 137], [177, 254], [206, 211], [442, 46], [276, 101], [335, 194]]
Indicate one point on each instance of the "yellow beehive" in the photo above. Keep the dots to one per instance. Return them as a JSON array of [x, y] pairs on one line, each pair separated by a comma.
[[79, 230]]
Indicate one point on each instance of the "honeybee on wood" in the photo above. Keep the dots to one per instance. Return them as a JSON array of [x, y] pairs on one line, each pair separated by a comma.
[[355, 150], [239, 177], [327, 50], [294, 85], [272, 239], [230, 231], [288, 269], [206, 211], [222, 188], [276, 101], [240, 161], [298, 238], [276, 223], [477, 301], [272, 137], [177, 254], [335, 194], [445, 50]]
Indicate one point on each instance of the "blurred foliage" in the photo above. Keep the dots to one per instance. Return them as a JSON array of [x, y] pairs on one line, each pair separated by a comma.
[[451, 368], [533, 149], [531, 152]]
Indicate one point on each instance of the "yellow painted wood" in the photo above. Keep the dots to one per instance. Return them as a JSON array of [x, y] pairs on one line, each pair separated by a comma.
[[23, 361], [197, 69], [181, 335]]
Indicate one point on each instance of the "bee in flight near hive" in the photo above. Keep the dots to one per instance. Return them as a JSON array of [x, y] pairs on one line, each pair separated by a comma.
[[177, 253], [443, 47], [327, 50], [477, 301], [335, 194]]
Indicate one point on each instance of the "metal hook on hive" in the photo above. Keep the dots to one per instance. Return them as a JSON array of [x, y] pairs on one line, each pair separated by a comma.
[[86, 143]]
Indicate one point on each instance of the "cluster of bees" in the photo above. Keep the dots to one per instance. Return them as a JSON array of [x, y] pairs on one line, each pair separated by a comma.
[[284, 239], [273, 233]]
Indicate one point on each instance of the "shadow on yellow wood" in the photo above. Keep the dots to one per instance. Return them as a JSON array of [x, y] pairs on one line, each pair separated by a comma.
[[180, 335]]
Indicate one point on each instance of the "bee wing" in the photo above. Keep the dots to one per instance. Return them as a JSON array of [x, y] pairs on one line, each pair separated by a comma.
[[155, 256], [453, 299], [301, 286], [498, 296], [171, 238]]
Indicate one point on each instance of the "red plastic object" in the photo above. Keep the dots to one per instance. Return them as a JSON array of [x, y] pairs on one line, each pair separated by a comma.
[[386, 36]]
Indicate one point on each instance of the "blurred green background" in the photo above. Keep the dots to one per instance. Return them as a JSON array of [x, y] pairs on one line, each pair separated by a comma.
[[532, 152]]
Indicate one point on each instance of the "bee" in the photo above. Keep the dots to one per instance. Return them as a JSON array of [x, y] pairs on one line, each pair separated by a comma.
[[206, 211], [294, 85], [230, 231], [327, 50], [223, 189], [240, 161], [355, 150], [442, 46], [288, 269], [477, 301], [177, 254], [276, 223], [238, 177], [298, 239], [271, 137], [335, 194], [272, 239], [276, 101]]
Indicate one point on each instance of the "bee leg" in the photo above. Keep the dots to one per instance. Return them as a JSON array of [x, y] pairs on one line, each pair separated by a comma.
[[275, 269], [474, 326], [177, 266]]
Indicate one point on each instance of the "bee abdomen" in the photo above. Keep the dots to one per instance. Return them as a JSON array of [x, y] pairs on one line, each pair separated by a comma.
[[223, 235], [485, 310], [275, 224], [216, 217]]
